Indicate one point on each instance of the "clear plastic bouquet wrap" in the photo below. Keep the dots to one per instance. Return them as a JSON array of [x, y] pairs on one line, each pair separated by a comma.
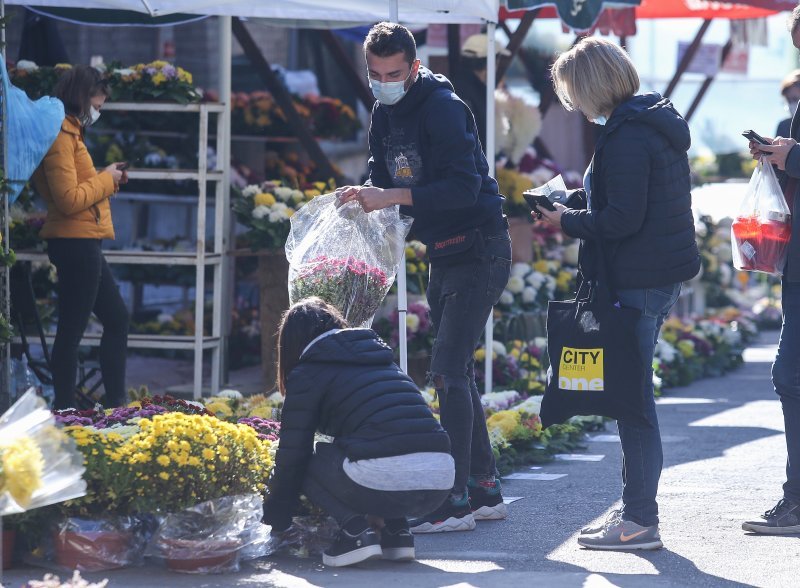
[[213, 536], [346, 256], [39, 463], [94, 545], [761, 231]]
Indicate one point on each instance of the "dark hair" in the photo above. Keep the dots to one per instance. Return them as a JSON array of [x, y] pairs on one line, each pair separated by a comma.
[[301, 324], [77, 86], [389, 38]]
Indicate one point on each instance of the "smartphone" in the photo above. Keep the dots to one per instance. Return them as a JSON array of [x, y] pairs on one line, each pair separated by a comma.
[[753, 136], [122, 166], [537, 201]]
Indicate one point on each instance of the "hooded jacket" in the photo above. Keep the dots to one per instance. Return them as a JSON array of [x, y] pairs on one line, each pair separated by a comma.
[[641, 204], [75, 194], [346, 385], [428, 142]]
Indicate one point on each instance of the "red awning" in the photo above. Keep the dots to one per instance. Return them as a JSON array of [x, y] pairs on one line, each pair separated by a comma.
[[704, 9], [686, 9]]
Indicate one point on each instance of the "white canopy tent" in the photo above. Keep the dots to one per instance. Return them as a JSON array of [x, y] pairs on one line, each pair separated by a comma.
[[323, 14]]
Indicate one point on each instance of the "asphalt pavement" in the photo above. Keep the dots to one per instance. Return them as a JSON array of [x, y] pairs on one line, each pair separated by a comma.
[[725, 456]]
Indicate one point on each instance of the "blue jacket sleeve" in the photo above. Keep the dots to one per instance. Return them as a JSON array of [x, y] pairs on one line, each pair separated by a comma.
[[625, 175], [299, 420], [378, 173], [451, 140]]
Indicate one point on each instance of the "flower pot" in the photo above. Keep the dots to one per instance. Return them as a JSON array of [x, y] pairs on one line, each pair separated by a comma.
[[9, 538], [200, 556], [273, 279], [93, 551], [521, 231]]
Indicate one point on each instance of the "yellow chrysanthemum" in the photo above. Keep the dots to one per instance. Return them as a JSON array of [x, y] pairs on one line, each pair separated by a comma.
[[21, 472]]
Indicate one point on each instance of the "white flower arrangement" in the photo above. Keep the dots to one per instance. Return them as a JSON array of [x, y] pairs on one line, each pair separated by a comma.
[[666, 351], [496, 401], [230, 394], [251, 191], [26, 65], [515, 284], [532, 405], [261, 211], [517, 124], [283, 193]]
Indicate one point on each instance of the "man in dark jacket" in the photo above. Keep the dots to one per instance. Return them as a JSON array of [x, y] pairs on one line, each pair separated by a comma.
[[469, 79], [425, 156], [784, 518]]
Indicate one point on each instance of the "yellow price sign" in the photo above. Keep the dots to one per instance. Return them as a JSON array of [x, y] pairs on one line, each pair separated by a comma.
[[581, 369]]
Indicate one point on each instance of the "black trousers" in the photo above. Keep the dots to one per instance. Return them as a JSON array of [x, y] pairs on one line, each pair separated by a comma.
[[85, 285]]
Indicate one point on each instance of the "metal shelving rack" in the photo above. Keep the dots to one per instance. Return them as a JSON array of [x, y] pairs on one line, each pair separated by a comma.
[[214, 260]]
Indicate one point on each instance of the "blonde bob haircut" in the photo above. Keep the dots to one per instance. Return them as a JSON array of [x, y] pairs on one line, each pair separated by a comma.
[[595, 77]]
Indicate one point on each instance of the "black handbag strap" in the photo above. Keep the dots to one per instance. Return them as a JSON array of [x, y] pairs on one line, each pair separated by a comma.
[[604, 286]]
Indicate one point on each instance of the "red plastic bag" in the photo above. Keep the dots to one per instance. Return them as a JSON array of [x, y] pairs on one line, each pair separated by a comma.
[[761, 231]]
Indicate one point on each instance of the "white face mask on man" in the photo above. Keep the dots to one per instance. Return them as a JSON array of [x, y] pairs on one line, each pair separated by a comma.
[[389, 93]]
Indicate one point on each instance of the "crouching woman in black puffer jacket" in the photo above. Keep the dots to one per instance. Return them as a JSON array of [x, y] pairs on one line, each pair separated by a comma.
[[390, 458]]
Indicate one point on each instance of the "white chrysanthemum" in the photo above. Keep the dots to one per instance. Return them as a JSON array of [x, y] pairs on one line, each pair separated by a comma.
[[277, 216], [515, 284], [251, 191], [529, 295], [260, 211], [124, 72], [520, 269], [532, 405], [412, 322], [535, 279], [499, 348], [666, 351], [506, 298], [571, 254], [26, 65], [298, 196], [540, 342], [279, 207], [229, 393], [283, 193]]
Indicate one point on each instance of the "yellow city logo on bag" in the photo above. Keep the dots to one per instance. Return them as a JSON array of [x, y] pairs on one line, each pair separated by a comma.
[[581, 369]]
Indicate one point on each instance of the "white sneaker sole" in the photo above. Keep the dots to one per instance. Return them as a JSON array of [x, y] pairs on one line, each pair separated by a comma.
[[657, 544], [399, 554], [767, 530], [491, 513], [352, 557], [452, 524]]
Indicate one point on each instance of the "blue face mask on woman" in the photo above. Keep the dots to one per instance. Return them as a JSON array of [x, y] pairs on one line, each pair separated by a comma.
[[600, 120], [389, 93]]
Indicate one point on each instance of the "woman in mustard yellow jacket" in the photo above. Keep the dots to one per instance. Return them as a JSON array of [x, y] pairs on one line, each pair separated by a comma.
[[78, 219]]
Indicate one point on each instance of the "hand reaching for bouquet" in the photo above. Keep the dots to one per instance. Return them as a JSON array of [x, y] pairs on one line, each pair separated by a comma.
[[371, 198]]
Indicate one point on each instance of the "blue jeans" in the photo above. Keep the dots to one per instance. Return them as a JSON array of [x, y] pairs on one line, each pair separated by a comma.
[[642, 456], [786, 379], [461, 296]]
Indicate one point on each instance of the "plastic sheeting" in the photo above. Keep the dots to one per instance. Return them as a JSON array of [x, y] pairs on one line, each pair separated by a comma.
[[346, 256], [32, 128]]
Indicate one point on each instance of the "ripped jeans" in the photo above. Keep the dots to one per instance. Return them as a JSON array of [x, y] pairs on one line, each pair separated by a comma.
[[461, 296]]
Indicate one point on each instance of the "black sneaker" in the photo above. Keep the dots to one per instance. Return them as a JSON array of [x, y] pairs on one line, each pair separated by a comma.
[[452, 515], [486, 500], [397, 545], [352, 549], [784, 519]]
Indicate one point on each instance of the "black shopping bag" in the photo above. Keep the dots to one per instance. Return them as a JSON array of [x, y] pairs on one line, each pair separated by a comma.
[[595, 365]]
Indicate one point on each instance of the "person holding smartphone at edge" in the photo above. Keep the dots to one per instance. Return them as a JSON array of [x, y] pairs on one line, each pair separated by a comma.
[[784, 517], [425, 155], [78, 219]]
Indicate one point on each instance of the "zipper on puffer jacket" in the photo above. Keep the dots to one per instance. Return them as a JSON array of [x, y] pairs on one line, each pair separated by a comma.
[[96, 214]]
